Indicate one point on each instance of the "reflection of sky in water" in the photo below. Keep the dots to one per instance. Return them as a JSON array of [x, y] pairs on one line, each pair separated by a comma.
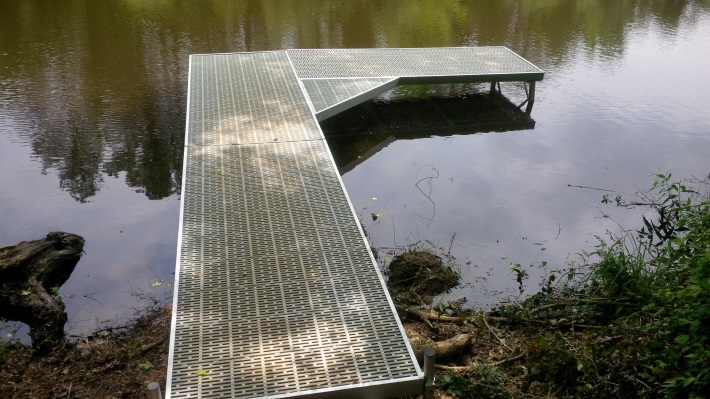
[[599, 124]]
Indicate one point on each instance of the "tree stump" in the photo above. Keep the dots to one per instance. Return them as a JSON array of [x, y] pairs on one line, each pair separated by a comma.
[[30, 274]]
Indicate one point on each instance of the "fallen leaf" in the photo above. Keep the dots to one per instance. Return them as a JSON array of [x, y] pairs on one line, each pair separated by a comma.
[[146, 366]]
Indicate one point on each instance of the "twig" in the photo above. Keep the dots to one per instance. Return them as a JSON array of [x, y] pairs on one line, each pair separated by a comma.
[[546, 323], [451, 244], [428, 196], [492, 364], [500, 341], [153, 271], [642, 383], [394, 231], [451, 368], [426, 316], [510, 359], [591, 188], [148, 347], [581, 302]]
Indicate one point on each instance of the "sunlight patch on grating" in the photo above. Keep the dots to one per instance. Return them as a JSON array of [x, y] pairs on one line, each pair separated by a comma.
[[246, 99]]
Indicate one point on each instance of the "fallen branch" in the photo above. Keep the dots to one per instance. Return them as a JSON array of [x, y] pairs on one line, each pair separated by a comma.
[[450, 347], [500, 341], [427, 316], [576, 302], [546, 323], [493, 364], [146, 348]]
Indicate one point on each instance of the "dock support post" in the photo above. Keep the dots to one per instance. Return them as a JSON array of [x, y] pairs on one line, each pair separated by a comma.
[[429, 373], [154, 391], [531, 97]]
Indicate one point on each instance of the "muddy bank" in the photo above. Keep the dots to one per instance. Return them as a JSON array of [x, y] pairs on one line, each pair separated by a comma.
[[115, 363]]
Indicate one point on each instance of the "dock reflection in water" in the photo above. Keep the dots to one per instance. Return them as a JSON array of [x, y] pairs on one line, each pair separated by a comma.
[[360, 132]]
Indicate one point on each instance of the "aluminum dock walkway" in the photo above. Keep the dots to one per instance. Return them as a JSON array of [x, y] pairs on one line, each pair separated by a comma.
[[276, 292]]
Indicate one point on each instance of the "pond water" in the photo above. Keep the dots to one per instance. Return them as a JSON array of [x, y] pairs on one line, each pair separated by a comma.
[[92, 111]]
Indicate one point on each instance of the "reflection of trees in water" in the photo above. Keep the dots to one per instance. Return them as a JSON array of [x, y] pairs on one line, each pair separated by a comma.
[[151, 155], [93, 99], [82, 154], [103, 84], [79, 173]]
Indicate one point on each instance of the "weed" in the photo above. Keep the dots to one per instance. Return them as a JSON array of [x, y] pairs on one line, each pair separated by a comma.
[[665, 266], [480, 381]]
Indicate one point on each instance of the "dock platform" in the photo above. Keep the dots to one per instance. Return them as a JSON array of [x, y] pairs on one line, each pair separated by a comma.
[[276, 292]]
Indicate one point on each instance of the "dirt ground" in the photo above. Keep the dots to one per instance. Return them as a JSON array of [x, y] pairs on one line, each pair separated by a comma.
[[110, 364]]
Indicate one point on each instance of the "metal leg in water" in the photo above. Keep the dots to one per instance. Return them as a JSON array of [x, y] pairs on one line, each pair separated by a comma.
[[429, 373], [531, 97], [154, 391]]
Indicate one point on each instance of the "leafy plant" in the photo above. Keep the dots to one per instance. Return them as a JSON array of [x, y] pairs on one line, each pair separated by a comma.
[[456, 385], [667, 269], [480, 381]]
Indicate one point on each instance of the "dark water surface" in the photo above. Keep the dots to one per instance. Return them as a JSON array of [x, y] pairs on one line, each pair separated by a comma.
[[92, 111]]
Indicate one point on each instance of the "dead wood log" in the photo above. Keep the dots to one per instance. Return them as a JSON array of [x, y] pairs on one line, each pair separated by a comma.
[[452, 346], [444, 349], [426, 316], [29, 273]]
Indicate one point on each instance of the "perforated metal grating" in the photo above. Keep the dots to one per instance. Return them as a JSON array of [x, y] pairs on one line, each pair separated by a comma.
[[325, 93], [406, 62], [276, 292], [246, 98]]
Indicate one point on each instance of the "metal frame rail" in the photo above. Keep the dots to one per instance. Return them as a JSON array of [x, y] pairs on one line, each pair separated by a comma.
[[276, 292]]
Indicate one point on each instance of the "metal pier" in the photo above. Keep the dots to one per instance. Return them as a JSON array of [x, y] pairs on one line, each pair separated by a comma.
[[276, 292]]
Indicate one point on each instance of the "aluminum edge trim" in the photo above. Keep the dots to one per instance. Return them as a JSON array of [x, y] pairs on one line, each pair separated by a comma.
[[176, 282], [352, 78], [519, 56], [341, 388], [395, 48], [303, 91], [235, 52], [351, 102]]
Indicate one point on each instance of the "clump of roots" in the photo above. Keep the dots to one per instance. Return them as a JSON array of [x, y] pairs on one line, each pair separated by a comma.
[[420, 272]]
